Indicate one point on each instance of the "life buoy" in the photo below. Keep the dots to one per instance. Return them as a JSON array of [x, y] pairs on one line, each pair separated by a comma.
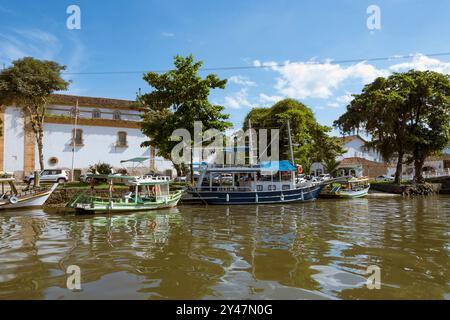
[[299, 169], [13, 200]]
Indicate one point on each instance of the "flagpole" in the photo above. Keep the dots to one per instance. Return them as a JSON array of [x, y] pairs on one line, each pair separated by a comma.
[[74, 135]]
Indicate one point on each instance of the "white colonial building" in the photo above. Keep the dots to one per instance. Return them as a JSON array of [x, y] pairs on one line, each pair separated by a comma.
[[355, 153], [107, 130]]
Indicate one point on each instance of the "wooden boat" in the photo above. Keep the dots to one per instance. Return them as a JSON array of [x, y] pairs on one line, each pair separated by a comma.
[[349, 188], [145, 193], [13, 198], [269, 182]]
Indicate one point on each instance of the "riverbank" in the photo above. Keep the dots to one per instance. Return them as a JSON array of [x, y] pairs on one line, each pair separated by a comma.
[[410, 189]]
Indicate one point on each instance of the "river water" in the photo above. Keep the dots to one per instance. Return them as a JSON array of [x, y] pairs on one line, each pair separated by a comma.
[[312, 250]]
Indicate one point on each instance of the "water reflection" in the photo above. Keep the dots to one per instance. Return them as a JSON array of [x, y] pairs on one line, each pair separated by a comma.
[[300, 251]]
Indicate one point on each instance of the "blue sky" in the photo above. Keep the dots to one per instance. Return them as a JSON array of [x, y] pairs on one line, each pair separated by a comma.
[[138, 35]]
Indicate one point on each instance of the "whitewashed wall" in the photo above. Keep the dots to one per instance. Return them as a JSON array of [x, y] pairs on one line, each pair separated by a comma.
[[14, 140], [355, 148], [99, 146]]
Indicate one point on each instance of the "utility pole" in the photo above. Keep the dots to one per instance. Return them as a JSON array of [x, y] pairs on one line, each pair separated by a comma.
[[74, 136]]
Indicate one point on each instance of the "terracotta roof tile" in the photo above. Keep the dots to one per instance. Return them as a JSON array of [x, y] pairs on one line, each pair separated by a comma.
[[347, 139], [92, 101]]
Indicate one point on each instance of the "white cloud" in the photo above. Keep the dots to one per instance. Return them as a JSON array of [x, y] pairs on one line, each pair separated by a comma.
[[267, 99], [238, 100], [333, 105], [243, 81], [345, 99], [422, 62], [300, 80], [33, 42], [168, 34]]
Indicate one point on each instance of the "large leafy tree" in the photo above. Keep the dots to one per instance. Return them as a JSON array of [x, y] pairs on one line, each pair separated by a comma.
[[429, 116], [380, 111], [179, 98], [310, 140], [407, 115], [29, 83]]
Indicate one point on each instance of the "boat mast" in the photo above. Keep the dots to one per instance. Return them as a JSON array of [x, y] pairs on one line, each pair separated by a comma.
[[290, 143], [250, 143]]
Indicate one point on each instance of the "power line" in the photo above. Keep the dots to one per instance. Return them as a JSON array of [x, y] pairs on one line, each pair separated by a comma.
[[265, 66]]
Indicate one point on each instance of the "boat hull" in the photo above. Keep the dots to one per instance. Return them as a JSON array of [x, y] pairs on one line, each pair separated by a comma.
[[260, 197], [36, 200], [346, 194], [101, 207]]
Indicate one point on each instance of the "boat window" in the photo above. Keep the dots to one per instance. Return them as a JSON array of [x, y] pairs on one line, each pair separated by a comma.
[[272, 187], [259, 188], [286, 187]]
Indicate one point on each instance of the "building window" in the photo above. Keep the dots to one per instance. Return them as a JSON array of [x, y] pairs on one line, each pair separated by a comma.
[[122, 139], [96, 114], [117, 115], [77, 137], [74, 112]]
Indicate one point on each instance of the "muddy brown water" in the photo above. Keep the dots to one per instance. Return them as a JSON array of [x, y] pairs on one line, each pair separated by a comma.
[[315, 250]]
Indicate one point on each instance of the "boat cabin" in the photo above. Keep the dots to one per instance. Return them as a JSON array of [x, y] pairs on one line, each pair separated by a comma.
[[267, 176]]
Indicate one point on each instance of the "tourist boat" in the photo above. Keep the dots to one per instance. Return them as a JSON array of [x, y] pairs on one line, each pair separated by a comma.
[[145, 193], [347, 188], [268, 182], [12, 198]]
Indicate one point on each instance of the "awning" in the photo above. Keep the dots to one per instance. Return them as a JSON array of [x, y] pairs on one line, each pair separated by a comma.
[[282, 165]]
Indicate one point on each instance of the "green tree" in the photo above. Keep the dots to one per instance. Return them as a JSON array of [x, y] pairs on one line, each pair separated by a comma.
[[407, 115], [429, 120], [179, 98], [28, 83], [310, 140]]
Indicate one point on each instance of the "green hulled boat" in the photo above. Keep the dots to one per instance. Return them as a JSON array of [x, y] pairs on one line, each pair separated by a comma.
[[145, 193], [351, 188]]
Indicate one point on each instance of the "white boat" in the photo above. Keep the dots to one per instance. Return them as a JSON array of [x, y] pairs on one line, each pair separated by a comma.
[[12, 198]]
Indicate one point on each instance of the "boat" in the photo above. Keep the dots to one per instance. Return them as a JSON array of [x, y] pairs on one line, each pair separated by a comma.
[[268, 182], [12, 198], [145, 193], [347, 188]]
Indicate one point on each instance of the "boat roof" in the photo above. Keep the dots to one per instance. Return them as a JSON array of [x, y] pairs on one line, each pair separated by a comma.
[[133, 180], [266, 166], [137, 159]]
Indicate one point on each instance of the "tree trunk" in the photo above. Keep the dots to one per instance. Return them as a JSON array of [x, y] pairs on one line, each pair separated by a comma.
[[179, 169], [39, 136], [37, 179], [398, 171], [418, 166], [192, 166]]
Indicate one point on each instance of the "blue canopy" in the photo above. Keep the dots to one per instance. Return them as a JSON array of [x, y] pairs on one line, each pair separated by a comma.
[[282, 165]]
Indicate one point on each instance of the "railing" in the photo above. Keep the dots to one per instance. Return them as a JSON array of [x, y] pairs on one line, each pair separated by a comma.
[[437, 173], [434, 174], [219, 189]]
